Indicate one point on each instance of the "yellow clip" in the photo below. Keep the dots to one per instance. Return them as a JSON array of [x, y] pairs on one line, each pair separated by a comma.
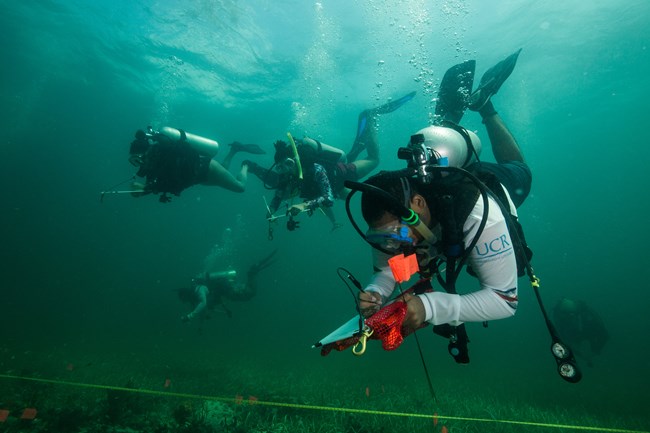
[[365, 334], [534, 282]]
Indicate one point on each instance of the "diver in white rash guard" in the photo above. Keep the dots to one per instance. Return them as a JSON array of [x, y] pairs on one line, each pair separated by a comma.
[[454, 224]]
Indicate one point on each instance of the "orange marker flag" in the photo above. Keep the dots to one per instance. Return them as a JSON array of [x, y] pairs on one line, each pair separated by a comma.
[[403, 267], [29, 413]]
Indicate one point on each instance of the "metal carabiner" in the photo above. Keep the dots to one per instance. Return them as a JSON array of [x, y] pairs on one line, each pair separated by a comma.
[[365, 334]]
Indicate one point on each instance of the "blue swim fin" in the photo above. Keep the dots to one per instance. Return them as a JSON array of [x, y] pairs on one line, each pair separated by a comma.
[[388, 107], [393, 105], [367, 115]]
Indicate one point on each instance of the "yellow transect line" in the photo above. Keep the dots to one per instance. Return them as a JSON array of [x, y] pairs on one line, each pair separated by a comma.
[[314, 407]]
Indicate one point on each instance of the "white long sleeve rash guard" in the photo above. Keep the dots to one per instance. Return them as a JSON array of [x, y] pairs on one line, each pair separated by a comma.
[[492, 260]]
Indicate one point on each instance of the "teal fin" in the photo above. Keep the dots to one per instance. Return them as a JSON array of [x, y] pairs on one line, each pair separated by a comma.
[[492, 80], [366, 116], [393, 105], [248, 148], [454, 92]]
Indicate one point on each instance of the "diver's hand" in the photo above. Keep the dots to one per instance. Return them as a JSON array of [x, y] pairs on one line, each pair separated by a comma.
[[296, 209], [138, 189], [336, 226], [369, 303], [415, 313]]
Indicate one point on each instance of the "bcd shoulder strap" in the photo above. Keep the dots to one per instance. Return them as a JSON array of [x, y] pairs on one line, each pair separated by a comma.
[[523, 253]]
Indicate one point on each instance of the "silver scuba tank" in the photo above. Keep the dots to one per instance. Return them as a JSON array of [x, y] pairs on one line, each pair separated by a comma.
[[450, 144], [229, 274], [203, 145], [324, 152]]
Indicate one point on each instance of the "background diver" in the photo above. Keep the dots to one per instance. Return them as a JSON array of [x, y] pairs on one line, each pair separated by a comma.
[[210, 290], [315, 171], [172, 160], [581, 327]]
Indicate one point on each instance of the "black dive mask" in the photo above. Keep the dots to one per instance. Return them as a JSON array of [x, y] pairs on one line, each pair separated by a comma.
[[140, 145]]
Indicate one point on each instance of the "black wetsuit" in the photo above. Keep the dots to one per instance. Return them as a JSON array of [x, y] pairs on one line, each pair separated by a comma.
[[170, 166]]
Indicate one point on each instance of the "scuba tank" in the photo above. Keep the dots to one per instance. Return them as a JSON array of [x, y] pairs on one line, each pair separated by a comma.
[[202, 145], [320, 152], [207, 277], [447, 142], [229, 274]]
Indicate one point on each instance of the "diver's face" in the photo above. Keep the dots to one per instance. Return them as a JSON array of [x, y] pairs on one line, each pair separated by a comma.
[[288, 166], [394, 235], [391, 234]]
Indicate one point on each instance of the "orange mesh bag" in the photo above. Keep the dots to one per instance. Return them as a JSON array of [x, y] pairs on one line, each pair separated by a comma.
[[386, 325]]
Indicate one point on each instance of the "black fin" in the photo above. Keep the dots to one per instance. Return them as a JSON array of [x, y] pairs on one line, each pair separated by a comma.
[[454, 92], [248, 148], [492, 80]]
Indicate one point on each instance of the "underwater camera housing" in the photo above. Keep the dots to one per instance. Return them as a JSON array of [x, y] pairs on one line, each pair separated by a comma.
[[420, 157], [448, 145]]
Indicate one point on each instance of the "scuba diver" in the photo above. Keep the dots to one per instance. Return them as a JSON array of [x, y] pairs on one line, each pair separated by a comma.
[[211, 289], [315, 171], [581, 327], [172, 160], [454, 222]]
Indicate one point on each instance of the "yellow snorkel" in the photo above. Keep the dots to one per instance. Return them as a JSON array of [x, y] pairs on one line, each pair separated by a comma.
[[295, 155]]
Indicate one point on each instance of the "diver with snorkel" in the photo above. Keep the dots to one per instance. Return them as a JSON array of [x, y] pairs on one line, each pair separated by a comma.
[[315, 172], [445, 211]]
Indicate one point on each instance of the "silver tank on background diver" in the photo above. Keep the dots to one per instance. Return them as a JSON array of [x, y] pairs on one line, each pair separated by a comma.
[[206, 277]]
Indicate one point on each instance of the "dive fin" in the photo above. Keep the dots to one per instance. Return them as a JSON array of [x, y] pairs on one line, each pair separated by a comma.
[[454, 92], [265, 262], [492, 80], [366, 116], [388, 107], [393, 105], [248, 148]]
